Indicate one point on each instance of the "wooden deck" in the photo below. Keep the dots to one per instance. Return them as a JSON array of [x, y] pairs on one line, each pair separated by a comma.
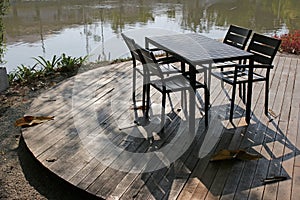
[[94, 144]]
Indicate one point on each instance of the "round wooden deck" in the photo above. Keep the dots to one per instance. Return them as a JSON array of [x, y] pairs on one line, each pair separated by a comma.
[[94, 144]]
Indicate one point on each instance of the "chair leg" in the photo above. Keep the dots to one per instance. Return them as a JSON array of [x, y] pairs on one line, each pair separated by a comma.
[[170, 100], [206, 104], [147, 100], [208, 83], [133, 82], [222, 85], [267, 97], [207, 87], [232, 102], [163, 111], [242, 91], [267, 81], [145, 94]]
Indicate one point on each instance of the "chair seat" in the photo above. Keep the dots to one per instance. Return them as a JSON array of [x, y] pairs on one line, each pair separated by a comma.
[[165, 68], [242, 76], [174, 84]]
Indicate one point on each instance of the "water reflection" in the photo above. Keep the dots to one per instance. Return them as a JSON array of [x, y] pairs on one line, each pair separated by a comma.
[[3, 7], [80, 27]]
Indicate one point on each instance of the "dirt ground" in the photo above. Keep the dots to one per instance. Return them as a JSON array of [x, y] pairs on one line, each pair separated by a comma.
[[21, 176]]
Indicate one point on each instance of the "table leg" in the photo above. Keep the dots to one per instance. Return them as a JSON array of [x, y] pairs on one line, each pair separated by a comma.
[[249, 93], [192, 103]]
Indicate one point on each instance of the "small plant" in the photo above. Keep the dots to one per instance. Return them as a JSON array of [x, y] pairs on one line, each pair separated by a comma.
[[23, 74], [70, 65], [66, 65], [48, 67], [290, 42]]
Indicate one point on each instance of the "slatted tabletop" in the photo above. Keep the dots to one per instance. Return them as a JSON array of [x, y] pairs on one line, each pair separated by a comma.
[[94, 144], [197, 49]]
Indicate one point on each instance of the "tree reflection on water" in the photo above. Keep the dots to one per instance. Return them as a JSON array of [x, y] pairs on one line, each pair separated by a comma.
[[33, 22], [3, 7]]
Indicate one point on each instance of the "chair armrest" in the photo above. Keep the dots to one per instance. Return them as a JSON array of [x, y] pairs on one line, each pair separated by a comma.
[[226, 65], [164, 60], [155, 49], [167, 60]]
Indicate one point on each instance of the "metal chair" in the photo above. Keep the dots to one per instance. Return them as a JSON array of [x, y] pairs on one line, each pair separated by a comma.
[[264, 49], [165, 64], [237, 36], [167, 85]]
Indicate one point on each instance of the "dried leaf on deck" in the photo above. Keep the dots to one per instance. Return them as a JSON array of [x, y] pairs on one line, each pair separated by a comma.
[[273, 114], [51, 159], [32, 120], [223, 155], [234, 154], [274, 179], [243, 155]]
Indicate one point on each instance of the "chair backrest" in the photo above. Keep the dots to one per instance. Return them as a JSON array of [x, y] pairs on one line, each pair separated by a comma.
[[132, 48], [237, 36], [264, 48], [149, 62]]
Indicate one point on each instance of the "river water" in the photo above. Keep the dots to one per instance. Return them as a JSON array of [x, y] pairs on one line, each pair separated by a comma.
[[46, 28]]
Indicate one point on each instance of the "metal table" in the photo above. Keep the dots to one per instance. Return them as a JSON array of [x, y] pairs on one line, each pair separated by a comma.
[[195, 49]]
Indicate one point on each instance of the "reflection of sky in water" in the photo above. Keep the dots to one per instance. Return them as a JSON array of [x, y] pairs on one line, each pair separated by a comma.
[[74, 42]]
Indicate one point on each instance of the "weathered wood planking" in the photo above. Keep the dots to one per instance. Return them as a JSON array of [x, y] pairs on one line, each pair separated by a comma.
[[74, 145]]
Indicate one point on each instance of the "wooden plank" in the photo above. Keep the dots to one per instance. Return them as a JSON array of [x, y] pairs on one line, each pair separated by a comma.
[[250, 166], [152, 192], [275, 146], [236, 174], [287, 162], [193, 181], [109, 174], [209, 169], [264, 133], [60, 120], [130, 177], [146, 189], [237, 182], [294, 130], [224, 173], [296, 183]]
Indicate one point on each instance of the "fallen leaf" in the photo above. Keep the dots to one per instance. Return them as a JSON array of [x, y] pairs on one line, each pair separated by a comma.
[[273, 179], [243, 155], [32, 120], [234, 154], [223, 155], [51, 159], [273, 114]]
